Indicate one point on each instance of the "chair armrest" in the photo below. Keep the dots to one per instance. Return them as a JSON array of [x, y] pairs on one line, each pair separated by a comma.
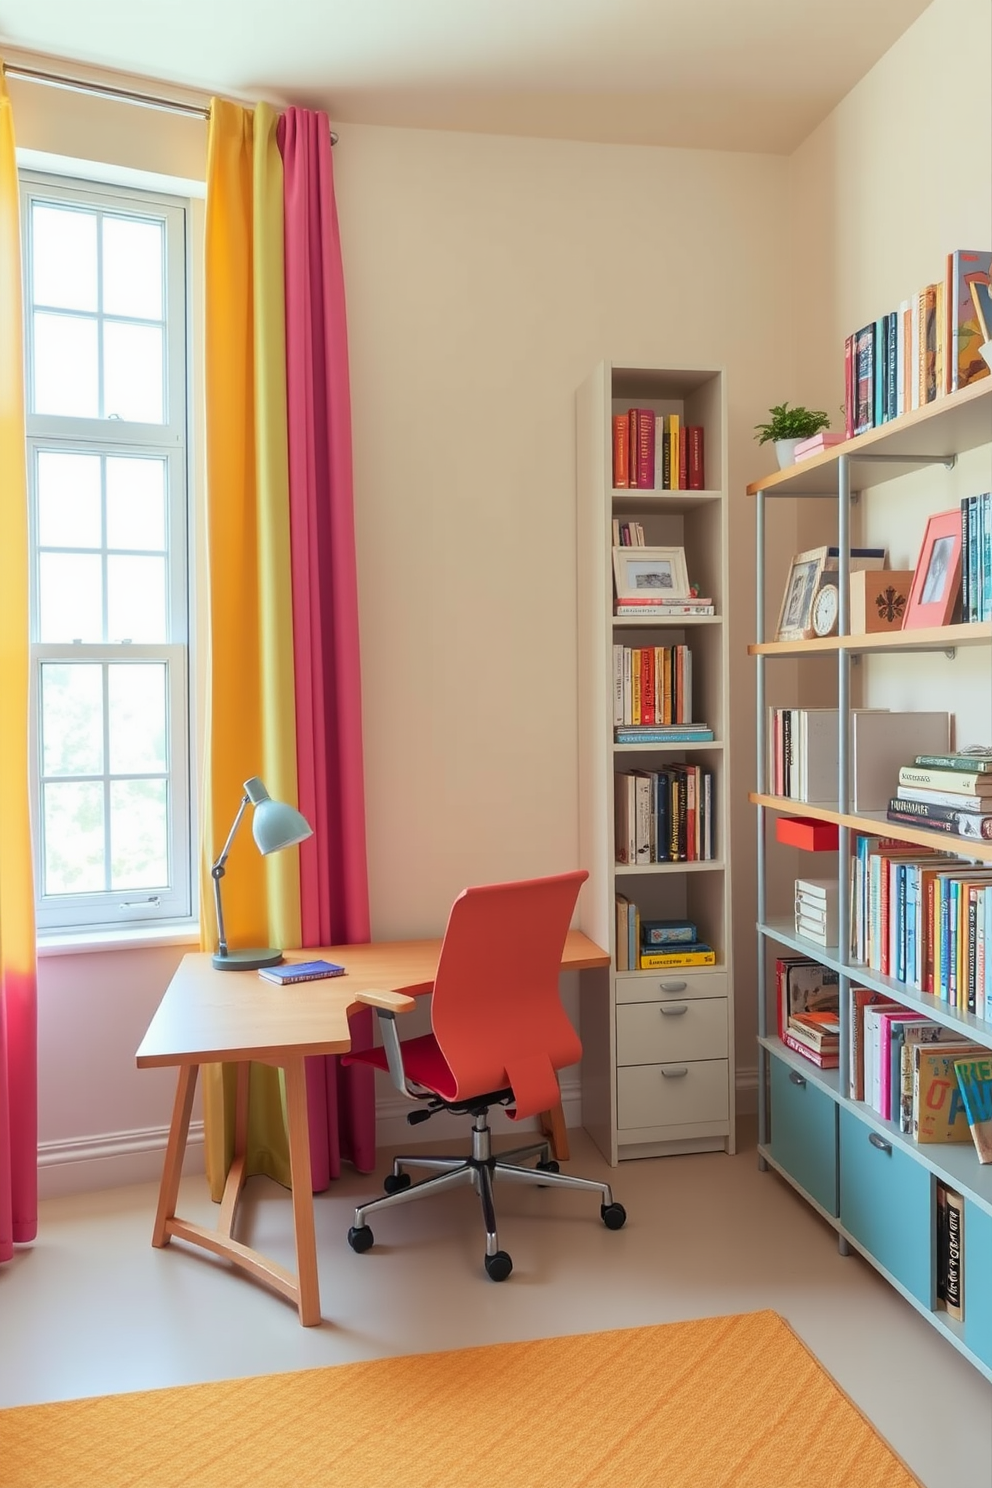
[[396, 1002]]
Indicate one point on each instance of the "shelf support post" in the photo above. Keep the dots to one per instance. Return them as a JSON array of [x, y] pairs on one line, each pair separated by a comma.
[[843, 753], [762, 750]]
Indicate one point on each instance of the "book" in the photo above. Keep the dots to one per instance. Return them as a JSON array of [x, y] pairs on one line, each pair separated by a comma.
[[974, 1077], [694, 954], [864, 379], [954, 1279], [828, 1059], [928, 344], [816, 444], [663, 609], [938, 1110], [974, 805], [953, 782], [821, 1029], [661, 733], [695, 458], [300, 971], [641, 444], [804, 986], [621, 452], [667, 932], [945, 818]]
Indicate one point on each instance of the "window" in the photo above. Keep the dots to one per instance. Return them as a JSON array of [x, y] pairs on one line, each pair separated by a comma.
[[106, 392]]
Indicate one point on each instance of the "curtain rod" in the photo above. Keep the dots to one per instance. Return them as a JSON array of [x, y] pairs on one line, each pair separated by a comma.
[[105, 90]]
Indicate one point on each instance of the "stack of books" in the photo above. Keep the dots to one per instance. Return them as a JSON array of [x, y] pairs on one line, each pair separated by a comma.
[[816, 444], [652, 686], [655, 609], [673, 943], [816, 1035], [664, 816], [655, 451], [948, 792], [816, 910]]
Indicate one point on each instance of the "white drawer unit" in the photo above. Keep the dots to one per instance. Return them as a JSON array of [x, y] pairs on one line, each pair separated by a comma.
[[659, 1032], [661, 985], [691, 1093]]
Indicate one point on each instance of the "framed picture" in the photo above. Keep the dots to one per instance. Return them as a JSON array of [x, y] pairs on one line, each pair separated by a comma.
[[795, 618], [650, 573], [937, 577]]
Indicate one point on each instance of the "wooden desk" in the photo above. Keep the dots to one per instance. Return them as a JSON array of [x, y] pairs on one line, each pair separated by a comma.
[[208, 1015]]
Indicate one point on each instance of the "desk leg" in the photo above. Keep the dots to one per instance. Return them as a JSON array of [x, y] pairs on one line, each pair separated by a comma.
[[235, 1180], [175, 1150], [299, 1162], [553, 1127]]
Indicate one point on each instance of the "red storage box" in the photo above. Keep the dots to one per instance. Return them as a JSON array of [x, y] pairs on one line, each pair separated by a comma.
[[807, 832]]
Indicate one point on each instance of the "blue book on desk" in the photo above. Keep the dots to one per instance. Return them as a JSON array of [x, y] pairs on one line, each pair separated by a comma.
[[300, 971]]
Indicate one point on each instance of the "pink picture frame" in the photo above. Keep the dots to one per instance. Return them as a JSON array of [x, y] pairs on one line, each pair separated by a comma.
[[937, 578]]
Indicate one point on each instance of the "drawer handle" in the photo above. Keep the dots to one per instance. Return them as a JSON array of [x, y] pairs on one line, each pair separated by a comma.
[[879, 1142], [797, 1079], [675, 1072], [673, 1009], [673, 986]]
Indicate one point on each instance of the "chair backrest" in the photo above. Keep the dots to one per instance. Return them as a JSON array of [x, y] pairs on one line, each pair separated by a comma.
[[496, 1012]]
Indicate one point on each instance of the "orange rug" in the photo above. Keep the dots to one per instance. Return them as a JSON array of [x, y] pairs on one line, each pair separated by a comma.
[[733, 1402]]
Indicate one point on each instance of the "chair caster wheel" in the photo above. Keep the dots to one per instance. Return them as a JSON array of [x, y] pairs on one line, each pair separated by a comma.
[[360, 1238], [396, 1182], [614, 1216], [499, 1266], [548, 1167]]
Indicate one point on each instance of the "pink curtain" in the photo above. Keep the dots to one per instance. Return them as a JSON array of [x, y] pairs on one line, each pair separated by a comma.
[[333, 874]]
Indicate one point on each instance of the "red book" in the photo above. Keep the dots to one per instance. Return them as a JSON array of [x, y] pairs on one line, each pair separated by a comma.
[[621, 450], [642, 447], [684, 461], [647, 685], [694, 435], [822, 1061]]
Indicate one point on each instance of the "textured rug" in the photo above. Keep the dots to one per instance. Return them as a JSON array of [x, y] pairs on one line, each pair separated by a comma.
[[732, 1402]]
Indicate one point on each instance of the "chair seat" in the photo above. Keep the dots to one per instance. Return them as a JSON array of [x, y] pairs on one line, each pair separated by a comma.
[[422, 1060]]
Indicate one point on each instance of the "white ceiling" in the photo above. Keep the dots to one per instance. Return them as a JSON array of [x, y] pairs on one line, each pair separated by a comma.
[[721, 74]]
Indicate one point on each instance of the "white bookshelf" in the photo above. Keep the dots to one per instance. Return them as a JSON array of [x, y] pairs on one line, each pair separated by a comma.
[[658, 1053], [873, 1183]]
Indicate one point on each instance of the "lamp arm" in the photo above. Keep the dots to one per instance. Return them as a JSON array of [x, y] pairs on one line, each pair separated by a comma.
[[217, 873]]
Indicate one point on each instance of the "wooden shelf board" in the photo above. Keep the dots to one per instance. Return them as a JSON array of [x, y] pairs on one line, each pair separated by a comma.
[[666, 748], [671, 622], [933, 638], [715, 865], [875, 824], [961, 421], [647, 499]]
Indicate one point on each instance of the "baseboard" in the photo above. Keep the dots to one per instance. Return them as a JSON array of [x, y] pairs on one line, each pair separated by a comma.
[[111, 1160], [115, 1159]]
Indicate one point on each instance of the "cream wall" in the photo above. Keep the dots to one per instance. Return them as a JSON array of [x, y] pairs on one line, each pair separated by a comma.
[[896, 178]]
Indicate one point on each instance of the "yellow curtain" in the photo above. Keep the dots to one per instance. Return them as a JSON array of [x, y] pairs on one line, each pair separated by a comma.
[[251, 726], [18, 1079]]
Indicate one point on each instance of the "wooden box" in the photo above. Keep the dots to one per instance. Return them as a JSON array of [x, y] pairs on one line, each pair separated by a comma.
[[878, 599]]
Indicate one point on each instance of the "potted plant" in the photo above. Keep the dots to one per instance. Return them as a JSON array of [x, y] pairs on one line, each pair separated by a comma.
[[787, 426]]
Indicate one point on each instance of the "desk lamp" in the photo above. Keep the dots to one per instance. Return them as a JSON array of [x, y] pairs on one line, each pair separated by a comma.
[[274, 826]]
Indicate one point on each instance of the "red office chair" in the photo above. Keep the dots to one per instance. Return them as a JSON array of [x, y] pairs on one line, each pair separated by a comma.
[[499, 1034]]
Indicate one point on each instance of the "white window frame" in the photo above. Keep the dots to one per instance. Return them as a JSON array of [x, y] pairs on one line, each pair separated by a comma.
[[117, 910]]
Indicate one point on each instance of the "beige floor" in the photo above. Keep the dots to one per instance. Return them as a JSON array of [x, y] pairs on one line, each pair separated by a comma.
[[91, 1309]]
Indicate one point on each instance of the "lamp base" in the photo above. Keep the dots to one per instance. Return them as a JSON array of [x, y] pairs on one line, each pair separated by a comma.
[[249, 960]]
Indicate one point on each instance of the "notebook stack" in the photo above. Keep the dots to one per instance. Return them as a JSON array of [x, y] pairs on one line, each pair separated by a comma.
[[816, 910]]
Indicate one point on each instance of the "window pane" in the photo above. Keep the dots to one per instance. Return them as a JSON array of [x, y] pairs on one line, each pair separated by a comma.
[[137, 715], [74, 837], [66, 376], [139, 852], [68, 500], [71, 597], [132, 268], [136, 503], [136, 599], [132, 372], [63, 257], [71, 718]]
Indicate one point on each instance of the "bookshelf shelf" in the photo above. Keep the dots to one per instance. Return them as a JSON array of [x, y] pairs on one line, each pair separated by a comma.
[[876, 1184], [935, 638], [696, 1113]]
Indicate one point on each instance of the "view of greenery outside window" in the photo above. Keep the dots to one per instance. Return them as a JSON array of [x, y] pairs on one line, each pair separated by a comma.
[[106, 394]]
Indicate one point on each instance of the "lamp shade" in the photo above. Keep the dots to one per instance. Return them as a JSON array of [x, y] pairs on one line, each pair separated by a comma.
[[274, 825]]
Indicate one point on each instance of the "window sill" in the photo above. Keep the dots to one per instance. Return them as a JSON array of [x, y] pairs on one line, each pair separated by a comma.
[[79, 942]]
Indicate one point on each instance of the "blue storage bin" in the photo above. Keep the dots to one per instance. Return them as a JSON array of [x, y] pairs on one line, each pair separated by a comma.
[[804, 1133], [885, 1204]]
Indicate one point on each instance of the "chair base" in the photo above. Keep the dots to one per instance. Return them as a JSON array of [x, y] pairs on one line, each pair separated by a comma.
[[481, 1170]]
